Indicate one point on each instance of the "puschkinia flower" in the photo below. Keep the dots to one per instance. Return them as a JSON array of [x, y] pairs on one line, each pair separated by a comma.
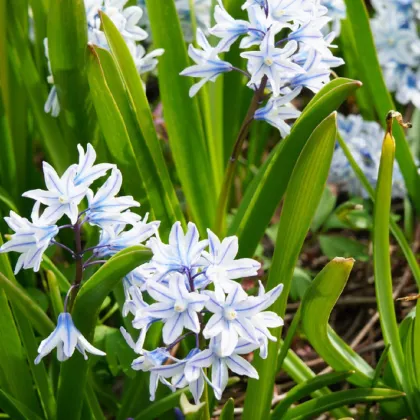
[[278, 110], [174, 289], [176, 306], [66, 338], [31, 239], [208, 64], [287, 46], [364, 139], [105, 209], [127, 21], [62, 196]]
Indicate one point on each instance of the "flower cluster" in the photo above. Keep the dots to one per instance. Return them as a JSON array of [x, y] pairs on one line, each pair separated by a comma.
[[126, 19], [286, 52], [398, 44], [364, 139], [64, 198], [193, 286]]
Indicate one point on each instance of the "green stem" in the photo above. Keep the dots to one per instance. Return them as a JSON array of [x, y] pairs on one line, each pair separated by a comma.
[[230, 170]]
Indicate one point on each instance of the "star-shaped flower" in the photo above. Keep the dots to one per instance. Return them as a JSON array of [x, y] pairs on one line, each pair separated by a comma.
[[66, 337]]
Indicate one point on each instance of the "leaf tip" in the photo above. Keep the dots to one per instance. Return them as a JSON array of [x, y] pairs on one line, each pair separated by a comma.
[[344, 261]]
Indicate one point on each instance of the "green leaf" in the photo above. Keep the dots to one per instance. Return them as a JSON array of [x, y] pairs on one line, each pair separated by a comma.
[[182, 117], [164, 201], [334, 245], [325, 208], [227, 411], [297, 369], [6, 200], [15, 376], [86, 308], [416, 341], [114, 129], [267, 188], [7, 157], [27, 305], [15, 409], [306, 388], [59, 152], [302, 198], [300, 282], [372, 77], [67, 40], [321, 405], [317, 305], [54, 292]]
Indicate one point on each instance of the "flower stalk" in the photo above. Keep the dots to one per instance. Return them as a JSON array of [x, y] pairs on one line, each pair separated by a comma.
[[237, 148]]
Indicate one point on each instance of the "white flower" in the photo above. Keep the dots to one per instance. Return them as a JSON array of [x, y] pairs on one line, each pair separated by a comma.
[[66, 337], [275, 63], [208, 65], [182, 254], [232, 316], [278, 110], [221, 266], [176, 306], [86, 171], [227, 28], [105, 209], [214, 358], [31, 239], [62, 196]]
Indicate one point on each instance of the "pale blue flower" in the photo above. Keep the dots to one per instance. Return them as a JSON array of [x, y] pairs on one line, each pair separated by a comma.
[[222, 268], [232, 316], [142, 320], [257, 27], [62, 196], [285, 11], [220, 364], [182, 254], [144, 62], [176, 306], [337, 11], [150, 360], [66, 338], [184, 374], [139, 277], [250, 3], [31, 239], [208, 65], [278, 110], [227, 28], [275, 63], [86, 171], [116, 238], [105, 209]]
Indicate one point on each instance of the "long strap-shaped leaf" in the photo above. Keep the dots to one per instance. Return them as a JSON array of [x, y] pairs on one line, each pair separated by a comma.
[[317, 304], [59, 152], [17, 344], [313, 408], [373, 79], [182, 117], [86, 308], [115, 129], [302, 198], [265, 192], [67, 27], [168, 210], [306, 388]]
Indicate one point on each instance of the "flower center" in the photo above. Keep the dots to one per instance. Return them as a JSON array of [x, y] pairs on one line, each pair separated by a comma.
[[391, 42], [280, 12], [63, 199], [230, 314], [268, 61], [180, 306]]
